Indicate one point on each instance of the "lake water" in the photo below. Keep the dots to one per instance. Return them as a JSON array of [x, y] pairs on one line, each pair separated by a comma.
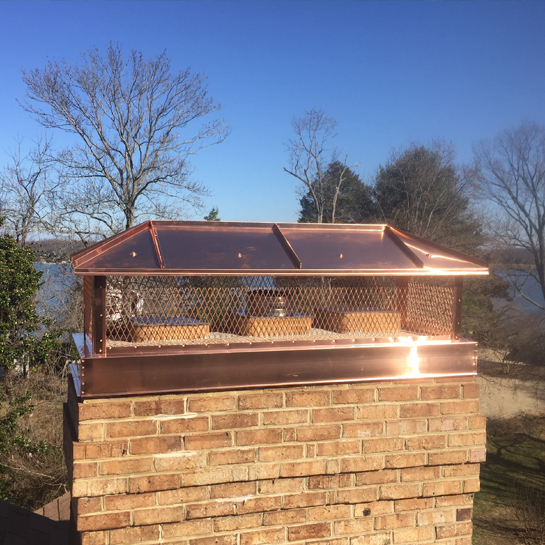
[[530, 287]]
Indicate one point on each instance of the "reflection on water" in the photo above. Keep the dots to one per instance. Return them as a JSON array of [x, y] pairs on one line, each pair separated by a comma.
[[529, 286]]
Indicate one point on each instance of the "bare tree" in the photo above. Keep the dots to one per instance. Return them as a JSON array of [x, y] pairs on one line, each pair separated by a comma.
[[512, 177], [26, 184], [136, 125], [310, 158]]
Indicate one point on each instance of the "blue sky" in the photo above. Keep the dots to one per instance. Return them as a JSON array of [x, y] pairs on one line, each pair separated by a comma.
[[390, 73]]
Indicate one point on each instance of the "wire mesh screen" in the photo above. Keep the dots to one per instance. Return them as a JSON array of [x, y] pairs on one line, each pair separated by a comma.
[[170, 310]]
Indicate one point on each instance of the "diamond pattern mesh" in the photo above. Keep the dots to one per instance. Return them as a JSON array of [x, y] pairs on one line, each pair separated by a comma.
[[178, 310]]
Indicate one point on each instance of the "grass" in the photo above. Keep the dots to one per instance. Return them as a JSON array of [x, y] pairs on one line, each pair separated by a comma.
[[510, 508]]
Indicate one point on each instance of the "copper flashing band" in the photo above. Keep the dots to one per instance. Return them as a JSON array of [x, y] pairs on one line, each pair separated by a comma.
[[287, 247], [130, 375]]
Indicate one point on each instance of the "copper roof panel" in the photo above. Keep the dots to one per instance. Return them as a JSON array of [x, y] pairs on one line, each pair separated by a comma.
[[131, 253], [369, 250], [221, 248]]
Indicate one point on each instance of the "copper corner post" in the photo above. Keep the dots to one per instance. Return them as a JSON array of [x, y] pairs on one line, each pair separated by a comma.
[[195, 306]]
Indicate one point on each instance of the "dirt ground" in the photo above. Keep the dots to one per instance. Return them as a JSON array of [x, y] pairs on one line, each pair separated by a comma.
[[509, 391]]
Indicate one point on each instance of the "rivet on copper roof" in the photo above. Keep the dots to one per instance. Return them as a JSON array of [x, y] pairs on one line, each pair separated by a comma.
[[341, 256], [133, 254], [239, 255]]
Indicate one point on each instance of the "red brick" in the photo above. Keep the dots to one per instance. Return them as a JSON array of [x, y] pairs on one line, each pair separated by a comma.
[[426, 442], [378, 412], [363, 430], [231, 421], [286, 417], [154, 407], [257, 472], [129, 501], [258, 437], [318, 433], [399, 491], [84, 470], [420, 473], [185, 424], [179, 461], [106, 449], [85, 506], [158, 515], [211, 403], [414, 504], [280, 486], [323, 482], [460, 407], [477, 422], [454, 530], [404, 460], [239, 522], [337, 448], [227, 457], [454, 501], [131, 428], [413, 535], [435, 517], [329, 512], [305, 499], [90, 432], [263, 536], [257, 505], [216, 540], [362, 463], [390, 522], [307, 399], [299, 469], [440, 392], [374, 509], [260, 401], [406, 427], [93, 538], [210, 509], [477, 455], [353, 526], [412, 410], [152, 483], [155, 445], [120, 467], [376, 477], [353, 396], [103, 522], [206, 476], [374, 539], [208, 441], [467, 439], [455, 423], [356, 495], [472, 485], [103, 411], [442, 488], [447, 457], [471, 390], [183, 495], [134, 535], [461, 470], [232, 490], [288, 452], [335, 414], [308, 531], [382, 445], [463, 515], [284, 518], [399, 393]]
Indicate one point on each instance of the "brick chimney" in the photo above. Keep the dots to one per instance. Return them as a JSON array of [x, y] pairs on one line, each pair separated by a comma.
[[341, 464]]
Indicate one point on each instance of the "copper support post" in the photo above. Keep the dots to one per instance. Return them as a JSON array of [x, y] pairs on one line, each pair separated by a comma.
[[457, 308], [99, 316], [402, 298]]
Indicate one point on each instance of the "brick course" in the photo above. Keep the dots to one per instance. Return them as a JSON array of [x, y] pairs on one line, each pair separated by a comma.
[[339, 464]]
